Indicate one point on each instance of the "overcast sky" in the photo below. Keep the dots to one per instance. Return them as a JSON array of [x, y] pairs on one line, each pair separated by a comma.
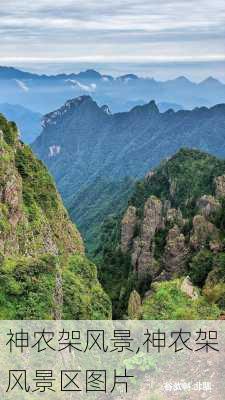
[[146, 36]]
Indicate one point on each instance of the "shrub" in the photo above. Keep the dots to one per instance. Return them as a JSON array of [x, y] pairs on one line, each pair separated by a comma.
[[169, 302], [27, 288], [9, 130], [83, 296], [200, 266]]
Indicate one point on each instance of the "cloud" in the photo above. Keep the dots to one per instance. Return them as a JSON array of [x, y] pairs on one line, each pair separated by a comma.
[[138, 30], [86, 88], [22, 85]]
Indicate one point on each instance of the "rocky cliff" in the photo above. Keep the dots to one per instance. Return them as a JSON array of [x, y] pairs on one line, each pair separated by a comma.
[[174, 227], [158, 220], [40, 248]]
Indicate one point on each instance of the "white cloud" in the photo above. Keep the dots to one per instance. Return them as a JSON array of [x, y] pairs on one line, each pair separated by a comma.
[[85, 88], [113, 30], [22, 85]]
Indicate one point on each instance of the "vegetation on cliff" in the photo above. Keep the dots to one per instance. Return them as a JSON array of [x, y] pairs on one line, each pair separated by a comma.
[[173, 227], [44, 273]]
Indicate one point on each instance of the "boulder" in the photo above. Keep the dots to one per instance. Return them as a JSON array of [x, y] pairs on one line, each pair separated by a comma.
[[188, 288]]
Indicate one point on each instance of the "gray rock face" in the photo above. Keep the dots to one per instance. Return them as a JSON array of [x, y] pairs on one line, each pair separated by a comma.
[[203, 232], [174, 216], [166, 240], [134, 305], [12, 196], [129, 223], [220, 186], [143, 248], [175, 252], [152, 218], [10, 207], [23, 233], [208, 205], [188, 288], [27, 243]]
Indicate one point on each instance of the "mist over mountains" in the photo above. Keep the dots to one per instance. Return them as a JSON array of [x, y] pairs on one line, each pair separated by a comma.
[[43, 93], [85, 140]]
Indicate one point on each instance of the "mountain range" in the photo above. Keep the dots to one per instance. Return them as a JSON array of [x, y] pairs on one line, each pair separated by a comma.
[[146, 194], [83, 143], [161, 256], [43, 93]]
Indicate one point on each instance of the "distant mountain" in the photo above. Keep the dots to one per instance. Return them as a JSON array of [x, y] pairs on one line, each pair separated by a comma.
[[82, 142], [210, 82], [28, 122], [44, 93], [13, 73], [89, 74], [163, 107], [128, 77]]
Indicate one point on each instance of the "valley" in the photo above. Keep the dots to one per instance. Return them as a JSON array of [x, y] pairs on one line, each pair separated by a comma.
[[146, 190]]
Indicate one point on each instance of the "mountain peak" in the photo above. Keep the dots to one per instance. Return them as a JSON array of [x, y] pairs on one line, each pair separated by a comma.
[[70, 105], [89, 74], [127, 77], [182, 79], [14, 73], [210, 81], [150, 108], [106, 109], [78, 100]]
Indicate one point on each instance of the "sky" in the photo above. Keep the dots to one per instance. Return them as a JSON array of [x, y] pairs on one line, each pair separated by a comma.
[[160, 38]]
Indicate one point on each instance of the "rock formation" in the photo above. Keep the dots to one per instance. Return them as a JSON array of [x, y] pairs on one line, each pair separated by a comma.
[[129, 223], [203, 232], [188, 288], [208, 205], [143, 246], [175, 252], [134, 305], [220, 186]]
